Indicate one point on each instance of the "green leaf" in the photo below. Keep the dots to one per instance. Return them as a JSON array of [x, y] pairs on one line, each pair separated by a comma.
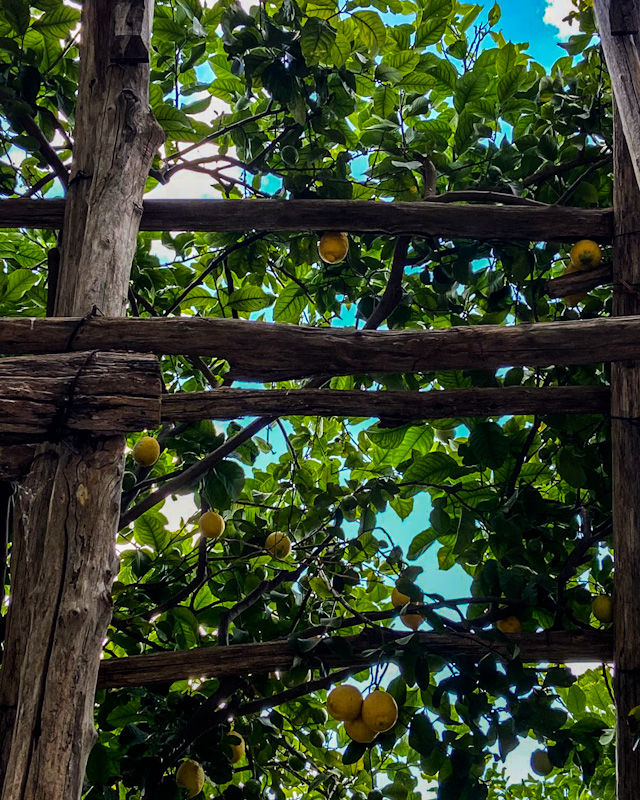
[[371, 29], [290, 304], [16, 284], [57, 23], [403, 506], [323, 9], [430, 31], [470, 86], [150, 530], [433, 468], [422, 737], [385, 100], [489, 444], [317, 40], [224, 484], [509, 83], [185, 626], [507, 59], [405, 61], [249, 298], [172, 119], [353, 753], [421, 543], [570, 469], [17, 14]]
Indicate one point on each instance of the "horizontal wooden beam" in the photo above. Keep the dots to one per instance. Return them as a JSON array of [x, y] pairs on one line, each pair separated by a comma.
[[393, 406], [93, 392], [528, 223], [264, 351], [263, 657], [578, 282]]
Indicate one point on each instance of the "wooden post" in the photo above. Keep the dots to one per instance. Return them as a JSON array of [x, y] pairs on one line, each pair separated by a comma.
[[63, 556], [625, 410]]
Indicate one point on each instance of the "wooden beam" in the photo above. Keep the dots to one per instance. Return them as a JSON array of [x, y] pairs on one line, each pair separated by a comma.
[[15, 461], [577, 282], [546, 223], [623, 63], [625, 436], [101, 393], [263, 657], [264, 351], [397, 407]]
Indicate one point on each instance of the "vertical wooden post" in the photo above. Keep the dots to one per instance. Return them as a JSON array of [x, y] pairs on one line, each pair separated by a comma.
[[625, 432], [63, 556]]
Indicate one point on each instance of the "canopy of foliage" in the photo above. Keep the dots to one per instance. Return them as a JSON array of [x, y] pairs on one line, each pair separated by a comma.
[[352, 100]]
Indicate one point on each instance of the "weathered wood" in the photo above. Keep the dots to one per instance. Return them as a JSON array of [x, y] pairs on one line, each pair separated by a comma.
[[398, 407], [15, 461], [550, 223], [264, 657], [625, 434], [576, 282], [63, 558], [623, 17], [268, 351], [45, 398], [623, 62], [60, 588], [132, 32]]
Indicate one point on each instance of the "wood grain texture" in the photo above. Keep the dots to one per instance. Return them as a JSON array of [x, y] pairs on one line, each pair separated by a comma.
[[64, 558], [94, 392], [265, 351], [625, 434], [557, 223], [261, 658], [623, 63], [15, 461], [225, 403], [577, 282]]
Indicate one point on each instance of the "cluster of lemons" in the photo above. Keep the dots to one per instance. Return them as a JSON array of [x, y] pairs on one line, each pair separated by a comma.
[[147, 451], [190, 774], [584, 255], [364, 718]]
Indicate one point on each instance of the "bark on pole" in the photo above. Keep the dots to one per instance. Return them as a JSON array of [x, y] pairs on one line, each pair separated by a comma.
[[625, 430], [63, 558]]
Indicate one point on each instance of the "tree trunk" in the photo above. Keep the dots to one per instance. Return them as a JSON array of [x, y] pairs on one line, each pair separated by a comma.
[[63, 557], [625, 431]]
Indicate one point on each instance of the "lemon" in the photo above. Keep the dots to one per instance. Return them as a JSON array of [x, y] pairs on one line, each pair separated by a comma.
[[509, 625], [238, 749], [146, 451], [278, 544], [344, 702], [540, 763], [413, 621], [586, 254], [333, 247], [212, 525], [602, 608], [190, 775], [379, 711], [359, 731], [398, 599]]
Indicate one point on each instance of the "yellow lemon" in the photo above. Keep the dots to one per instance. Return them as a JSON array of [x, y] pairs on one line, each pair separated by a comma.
[[344, 702], [413, 621], [146, 451], [238, 749], [586, 254], [359, 731], [212, 525], [509, 625], [190, 775], [398, 599], [333, 247], [278, 544], [379, 711], [540, 763], [602, 608]]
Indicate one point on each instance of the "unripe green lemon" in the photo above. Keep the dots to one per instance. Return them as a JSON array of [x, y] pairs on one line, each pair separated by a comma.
[[540, 763]]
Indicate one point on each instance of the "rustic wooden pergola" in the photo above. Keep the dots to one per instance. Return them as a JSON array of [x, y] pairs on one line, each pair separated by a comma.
[[76, 377]]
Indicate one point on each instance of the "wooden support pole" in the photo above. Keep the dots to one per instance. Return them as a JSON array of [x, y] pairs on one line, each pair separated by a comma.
[[266, 351], [526, 223], [63, 555], [102, 393], [625, 434], [623, 62], [263, 657], [395, 407]]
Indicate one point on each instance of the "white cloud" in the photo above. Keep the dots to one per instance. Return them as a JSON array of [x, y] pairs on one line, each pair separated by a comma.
[[555, 14]]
